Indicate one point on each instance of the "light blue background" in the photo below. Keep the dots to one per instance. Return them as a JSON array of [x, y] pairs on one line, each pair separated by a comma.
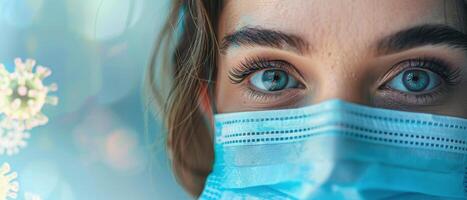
[[94, 146]]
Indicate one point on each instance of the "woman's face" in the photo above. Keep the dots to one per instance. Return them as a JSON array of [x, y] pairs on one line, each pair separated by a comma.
[[399, 54]]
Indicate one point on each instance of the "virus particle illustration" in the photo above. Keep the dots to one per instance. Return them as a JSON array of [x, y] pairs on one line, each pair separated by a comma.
[[23, 94], [9, 187], [31, 196], [11, 141]]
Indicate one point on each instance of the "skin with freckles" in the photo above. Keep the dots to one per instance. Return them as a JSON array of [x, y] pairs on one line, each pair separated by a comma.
[[349, 50]]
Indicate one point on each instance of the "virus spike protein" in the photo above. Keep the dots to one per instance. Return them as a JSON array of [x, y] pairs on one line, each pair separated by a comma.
[[9, 186], [12, 141], [23, 94]]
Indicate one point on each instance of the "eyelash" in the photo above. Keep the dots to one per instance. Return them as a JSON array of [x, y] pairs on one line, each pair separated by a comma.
[[255, 64], [451, 76]]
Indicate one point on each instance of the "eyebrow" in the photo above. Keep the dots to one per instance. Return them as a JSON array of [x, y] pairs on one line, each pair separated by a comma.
[[422, 35], [256, 36]]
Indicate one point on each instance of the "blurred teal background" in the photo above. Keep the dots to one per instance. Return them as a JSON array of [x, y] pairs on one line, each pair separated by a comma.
[[94, 146]]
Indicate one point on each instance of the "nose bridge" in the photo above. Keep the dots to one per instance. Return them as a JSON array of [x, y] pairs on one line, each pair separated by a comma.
[[343, 83]]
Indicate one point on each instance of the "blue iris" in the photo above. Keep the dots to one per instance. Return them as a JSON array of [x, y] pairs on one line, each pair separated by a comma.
[[273, 80], [415, 80]]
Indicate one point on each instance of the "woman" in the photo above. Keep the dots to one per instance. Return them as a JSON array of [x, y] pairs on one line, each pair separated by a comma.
[[315, 99]]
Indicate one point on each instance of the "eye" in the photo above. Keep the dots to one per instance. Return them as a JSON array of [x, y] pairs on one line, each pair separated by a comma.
[[273, 80], [415, 81]]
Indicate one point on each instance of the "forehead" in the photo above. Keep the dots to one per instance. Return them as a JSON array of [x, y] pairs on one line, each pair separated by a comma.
[[328, 22]]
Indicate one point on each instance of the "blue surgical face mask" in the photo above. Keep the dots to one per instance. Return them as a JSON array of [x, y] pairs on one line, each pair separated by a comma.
[[338, 150]]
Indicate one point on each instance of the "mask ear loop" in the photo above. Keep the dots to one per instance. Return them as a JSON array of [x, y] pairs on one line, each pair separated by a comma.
[[211, 89], [212, 102], [211, 96], [206, 104]]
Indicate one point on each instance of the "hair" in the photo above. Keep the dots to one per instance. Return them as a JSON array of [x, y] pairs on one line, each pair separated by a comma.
[[186, 52], [187, 70]]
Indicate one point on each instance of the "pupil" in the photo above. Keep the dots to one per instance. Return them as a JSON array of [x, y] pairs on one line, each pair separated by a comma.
[[276, 77], [416, 80], [274, 80]]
